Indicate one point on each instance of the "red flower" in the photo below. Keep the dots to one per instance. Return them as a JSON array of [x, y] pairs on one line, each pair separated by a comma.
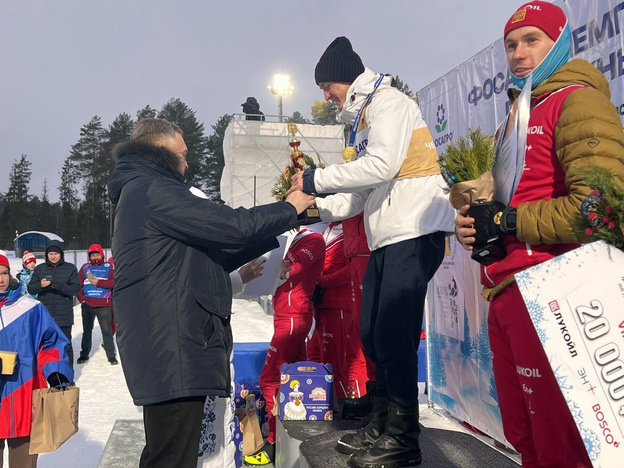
[[595, 193], [611, 224], [592, 215], [608, 209], [606, 219], [588, 232]]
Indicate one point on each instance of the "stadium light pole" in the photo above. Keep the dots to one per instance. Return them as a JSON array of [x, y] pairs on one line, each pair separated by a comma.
[[281, 86]]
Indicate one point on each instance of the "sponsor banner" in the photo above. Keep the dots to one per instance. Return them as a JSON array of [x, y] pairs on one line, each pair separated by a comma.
[[460, 373], [576, 303]]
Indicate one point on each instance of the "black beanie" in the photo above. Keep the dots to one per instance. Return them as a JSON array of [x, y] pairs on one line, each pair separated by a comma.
[[338, 64]]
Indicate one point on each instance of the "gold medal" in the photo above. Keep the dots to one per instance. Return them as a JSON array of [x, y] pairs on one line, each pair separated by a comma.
[[349, 154]]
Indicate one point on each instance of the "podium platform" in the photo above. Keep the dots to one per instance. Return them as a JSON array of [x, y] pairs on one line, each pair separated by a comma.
[[311, 444]]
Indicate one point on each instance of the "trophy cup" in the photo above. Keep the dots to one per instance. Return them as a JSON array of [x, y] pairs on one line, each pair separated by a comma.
[[298, 163]]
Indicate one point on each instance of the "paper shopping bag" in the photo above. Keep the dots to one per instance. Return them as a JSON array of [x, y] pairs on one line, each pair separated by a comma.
[[252, 435], [54, 418]]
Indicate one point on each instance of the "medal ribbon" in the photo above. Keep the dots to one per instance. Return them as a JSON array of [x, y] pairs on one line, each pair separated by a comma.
[[356, 123]]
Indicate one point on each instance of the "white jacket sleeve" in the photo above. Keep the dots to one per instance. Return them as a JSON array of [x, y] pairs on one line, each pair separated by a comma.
[[237, 283], [391, 121], [341, 205]]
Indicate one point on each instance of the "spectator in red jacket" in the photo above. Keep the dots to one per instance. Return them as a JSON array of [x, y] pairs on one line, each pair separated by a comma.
[[96, 278], [292, 302], [333, 307]]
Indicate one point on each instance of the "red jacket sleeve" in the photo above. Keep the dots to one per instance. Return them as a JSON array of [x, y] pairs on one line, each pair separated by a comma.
[[305, 253], [336, 279], [108, 283]]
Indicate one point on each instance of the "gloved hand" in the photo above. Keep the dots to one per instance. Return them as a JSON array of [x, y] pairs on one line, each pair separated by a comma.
[[57, 380], [317, 295], [492, 220]]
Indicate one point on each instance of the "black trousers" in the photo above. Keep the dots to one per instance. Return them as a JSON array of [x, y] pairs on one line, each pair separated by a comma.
[[172, 432], [394, 290], [70, 349], [104, 318]]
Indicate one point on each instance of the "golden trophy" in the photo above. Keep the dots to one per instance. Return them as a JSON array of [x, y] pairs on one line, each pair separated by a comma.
[[300, 162]]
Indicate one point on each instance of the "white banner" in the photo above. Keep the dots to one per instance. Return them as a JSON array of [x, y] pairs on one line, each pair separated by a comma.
[[576, 302]]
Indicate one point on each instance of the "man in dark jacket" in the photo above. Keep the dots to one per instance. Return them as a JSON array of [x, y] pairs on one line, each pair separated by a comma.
[[172, 295], [56, 283]]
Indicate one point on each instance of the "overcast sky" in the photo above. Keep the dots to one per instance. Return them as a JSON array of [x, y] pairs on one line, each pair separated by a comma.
[[64, 61]]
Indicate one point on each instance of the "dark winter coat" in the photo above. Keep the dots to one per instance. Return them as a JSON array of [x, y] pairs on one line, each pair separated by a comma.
[[172, 297], [59, 296]]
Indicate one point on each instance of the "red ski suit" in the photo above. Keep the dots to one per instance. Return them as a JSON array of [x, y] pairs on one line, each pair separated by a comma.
[[334, 313], [292, 303], [357, 252]]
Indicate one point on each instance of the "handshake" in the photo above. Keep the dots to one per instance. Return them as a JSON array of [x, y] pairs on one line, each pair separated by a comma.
[[300, 200]]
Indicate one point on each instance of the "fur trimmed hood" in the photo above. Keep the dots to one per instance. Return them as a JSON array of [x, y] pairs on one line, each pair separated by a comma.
[[135, 159]]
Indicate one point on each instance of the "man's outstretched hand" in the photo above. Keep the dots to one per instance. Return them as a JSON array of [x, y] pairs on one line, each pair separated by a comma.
[[299, 200], [297, 183]]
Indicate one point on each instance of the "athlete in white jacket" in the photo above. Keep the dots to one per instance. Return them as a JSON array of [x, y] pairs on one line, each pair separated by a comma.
[[396, 180]]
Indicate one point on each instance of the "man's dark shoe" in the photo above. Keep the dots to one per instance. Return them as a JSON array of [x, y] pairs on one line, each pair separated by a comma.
[[398, 445], [82, 359], [350, 443], [113, 361], [354, 408]]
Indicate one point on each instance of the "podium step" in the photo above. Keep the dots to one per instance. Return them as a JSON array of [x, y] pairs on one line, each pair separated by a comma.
[[124, 446], [311, 444]]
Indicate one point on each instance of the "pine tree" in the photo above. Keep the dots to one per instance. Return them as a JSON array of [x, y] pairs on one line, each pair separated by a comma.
[[46, 221], [119, 131], [297, 118], [68, 199], [17, 213], [184, 117], [324, 113], [93, 168], [403, 87], [215, 161], [146, 113]]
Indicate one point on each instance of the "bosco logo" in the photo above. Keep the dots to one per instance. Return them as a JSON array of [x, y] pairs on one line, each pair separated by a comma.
[[441, 125]]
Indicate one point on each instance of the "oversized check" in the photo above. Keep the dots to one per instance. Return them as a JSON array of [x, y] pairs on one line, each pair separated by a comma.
[[576, 302]]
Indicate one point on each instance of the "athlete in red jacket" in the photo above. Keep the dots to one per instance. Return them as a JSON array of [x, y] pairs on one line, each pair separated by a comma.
[[292, 303], [361, 368], [333, 307]]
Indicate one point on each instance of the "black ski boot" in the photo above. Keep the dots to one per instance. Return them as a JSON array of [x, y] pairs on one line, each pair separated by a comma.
[[363, 438], [354, 408], [398, 445]]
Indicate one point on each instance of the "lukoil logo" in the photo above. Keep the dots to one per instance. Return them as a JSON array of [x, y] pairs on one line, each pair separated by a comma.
[[441, 125]]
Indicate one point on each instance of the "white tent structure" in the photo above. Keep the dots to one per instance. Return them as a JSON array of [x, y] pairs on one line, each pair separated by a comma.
[[256, 153]]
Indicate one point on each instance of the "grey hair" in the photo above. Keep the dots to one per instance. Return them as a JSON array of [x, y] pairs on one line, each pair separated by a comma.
[[153, 131]]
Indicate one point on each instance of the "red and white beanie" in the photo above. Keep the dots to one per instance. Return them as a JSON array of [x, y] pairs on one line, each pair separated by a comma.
[[28, 257], [544, 15]]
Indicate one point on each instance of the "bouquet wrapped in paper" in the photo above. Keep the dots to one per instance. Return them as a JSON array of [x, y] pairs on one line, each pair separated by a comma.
[[467, 168]]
